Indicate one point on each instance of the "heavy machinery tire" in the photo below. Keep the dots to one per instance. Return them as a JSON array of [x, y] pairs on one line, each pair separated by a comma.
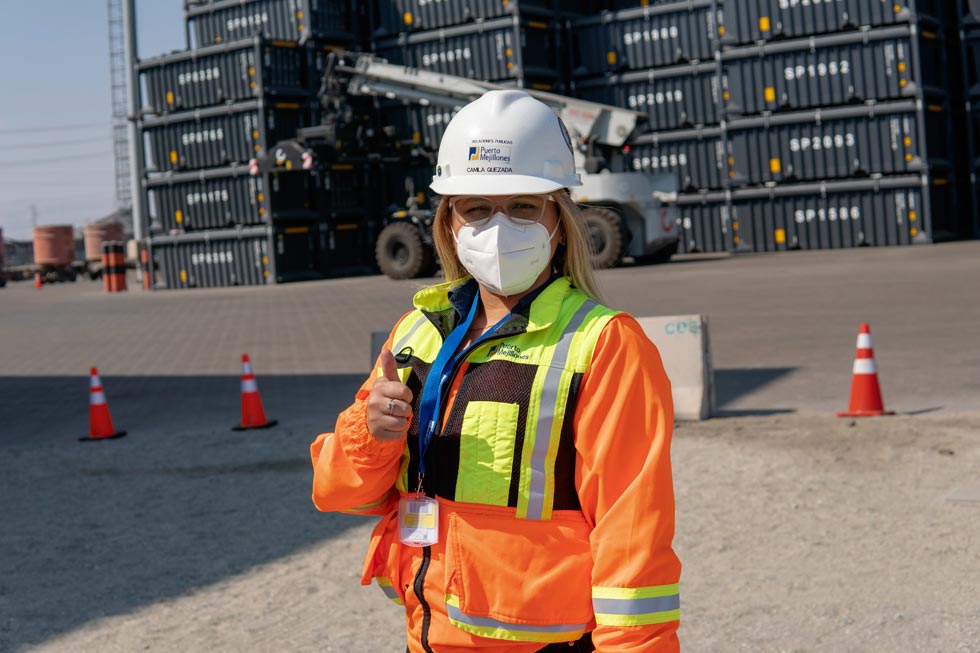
[[609, 236], [401, 253], [661, 256]]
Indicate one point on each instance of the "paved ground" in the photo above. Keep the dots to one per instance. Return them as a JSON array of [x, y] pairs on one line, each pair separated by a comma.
[[799, 531]]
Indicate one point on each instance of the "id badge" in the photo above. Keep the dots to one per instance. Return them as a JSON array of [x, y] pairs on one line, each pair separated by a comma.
[[418, 520]]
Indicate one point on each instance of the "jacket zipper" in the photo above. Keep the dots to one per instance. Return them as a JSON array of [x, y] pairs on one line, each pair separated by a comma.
[[419, 587]]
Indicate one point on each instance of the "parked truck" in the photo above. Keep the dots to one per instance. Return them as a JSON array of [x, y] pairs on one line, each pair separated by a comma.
[[626, 212]]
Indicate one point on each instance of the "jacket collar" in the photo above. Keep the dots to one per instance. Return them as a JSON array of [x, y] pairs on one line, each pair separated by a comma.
[[444, 302]]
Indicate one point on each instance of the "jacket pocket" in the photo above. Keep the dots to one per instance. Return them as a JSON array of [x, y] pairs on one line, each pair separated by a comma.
[[517, 579], [382, 562]]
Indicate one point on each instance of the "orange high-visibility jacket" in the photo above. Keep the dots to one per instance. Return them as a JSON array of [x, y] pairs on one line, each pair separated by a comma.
[[513, 571]]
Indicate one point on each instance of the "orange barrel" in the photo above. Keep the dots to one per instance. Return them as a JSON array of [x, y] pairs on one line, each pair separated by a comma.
[[145, 267], [54, 245], [113, 266], [96, 234]]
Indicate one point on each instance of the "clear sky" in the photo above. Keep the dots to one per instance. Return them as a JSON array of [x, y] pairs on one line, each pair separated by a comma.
[[55, 113]]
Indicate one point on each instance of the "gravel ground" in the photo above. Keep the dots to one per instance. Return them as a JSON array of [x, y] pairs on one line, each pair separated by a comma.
[[797, 533]]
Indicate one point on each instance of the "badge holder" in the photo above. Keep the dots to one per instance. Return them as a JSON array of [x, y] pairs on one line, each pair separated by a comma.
[[418, 520]]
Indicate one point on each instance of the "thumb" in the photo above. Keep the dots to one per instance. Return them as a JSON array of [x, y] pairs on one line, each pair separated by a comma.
[[389, 369]]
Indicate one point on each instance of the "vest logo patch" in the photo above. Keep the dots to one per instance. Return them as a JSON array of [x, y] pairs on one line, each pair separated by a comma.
[[507, 351]]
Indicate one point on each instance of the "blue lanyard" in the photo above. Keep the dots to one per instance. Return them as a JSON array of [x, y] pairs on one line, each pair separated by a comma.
[[439, 375]]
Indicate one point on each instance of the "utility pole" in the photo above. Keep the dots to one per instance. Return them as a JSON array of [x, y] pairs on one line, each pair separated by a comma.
[[140, 231]]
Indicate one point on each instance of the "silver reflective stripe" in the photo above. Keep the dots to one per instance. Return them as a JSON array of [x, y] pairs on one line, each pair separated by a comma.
[[249, 385], [486, 622], [389, 592], [864, 366], [96, 398], [401, 343], [546, 416], [636, 606]]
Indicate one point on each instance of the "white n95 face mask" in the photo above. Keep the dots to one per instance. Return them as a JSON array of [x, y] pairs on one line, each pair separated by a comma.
[[505, 256]]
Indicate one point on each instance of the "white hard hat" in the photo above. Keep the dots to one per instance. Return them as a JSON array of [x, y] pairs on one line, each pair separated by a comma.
[[504, 142]]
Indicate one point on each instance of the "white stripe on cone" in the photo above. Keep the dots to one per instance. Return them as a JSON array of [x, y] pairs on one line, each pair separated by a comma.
[[95, 382], [97, 399], [865, 366], [249, 385], [864, 341], [246, 368]]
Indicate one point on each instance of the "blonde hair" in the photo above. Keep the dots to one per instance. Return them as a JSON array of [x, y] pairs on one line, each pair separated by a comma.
[[573, 258]]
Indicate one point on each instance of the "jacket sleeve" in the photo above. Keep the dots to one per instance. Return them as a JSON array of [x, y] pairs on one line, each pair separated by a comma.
[[623, 426], [352, 471]]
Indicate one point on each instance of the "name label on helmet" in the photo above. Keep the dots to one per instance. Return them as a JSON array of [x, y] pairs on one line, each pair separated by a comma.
[[496, 150], [484, 169]]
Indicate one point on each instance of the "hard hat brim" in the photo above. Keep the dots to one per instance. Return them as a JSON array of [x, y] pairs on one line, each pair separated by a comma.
[[500, 184]]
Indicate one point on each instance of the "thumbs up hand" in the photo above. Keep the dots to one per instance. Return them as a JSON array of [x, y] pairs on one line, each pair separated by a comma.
[[389, 406]]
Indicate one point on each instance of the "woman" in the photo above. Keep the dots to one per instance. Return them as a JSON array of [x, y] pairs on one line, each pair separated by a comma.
[[516, 438]]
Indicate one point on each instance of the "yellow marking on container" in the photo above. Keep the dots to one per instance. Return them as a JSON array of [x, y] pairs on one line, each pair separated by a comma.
[[260, 197], [265, 260], [173, 156], [255, 134], [407, 18], [764, 24], [505, 3], [256, 148], [735, 225], [913, 216], [726, 95], [901, 66], [731, 175], [299, 15], [346, 227], [935, 108], [644, 3], [928, 35], [611, 58], [287, 105], [170, 97], [902, 83], [908, 141], [770, 94], [416, 137], [251, 84], [251, 71], [265, 273], [283, 44], [261, 211], [897, 8], [179, 216], [908, 156], [420, 197], [183, 276], [537, 24], [914, 231], [300, 28], [939, 182], [731, 160], [775, 166], [218, 39], [541, 87], [297, 230], [342, 166], [289, 165], [509, 52], [736, 240], [510, 64], [721, 30], [780, 236], [338, 144]]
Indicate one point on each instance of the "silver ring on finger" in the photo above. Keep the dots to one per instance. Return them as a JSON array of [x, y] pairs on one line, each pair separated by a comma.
[[391, 405]]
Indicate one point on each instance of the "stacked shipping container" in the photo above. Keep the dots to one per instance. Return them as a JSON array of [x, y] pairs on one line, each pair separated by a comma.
[[786, 122], [250, 80]]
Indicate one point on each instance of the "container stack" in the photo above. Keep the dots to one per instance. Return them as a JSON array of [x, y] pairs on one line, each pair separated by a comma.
[[249, 80], [791, 125], [511, 42], [969, 34]]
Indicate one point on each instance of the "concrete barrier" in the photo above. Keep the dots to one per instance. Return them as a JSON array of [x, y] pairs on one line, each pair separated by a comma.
[[686, 351]]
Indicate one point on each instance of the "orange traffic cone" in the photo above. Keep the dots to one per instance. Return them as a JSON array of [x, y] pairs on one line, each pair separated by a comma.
[[865, 391], [37, 280], [253, 415], [99, 420]]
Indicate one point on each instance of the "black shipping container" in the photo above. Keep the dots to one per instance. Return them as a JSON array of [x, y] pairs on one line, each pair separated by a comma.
[[889, 139], [213, 259], [696, 156], [509, 48], [747, 21], [346, 247], [885, 64], [397, 16], [830, 216], [221, 21], [227, 197], [645, 37], [296, 250], [423, 125], [225, 73], [703, 223], [220, 136], [679, 96]]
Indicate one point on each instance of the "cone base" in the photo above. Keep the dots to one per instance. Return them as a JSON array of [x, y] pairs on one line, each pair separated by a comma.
[[269, 424], [104, 437], [865, 413]]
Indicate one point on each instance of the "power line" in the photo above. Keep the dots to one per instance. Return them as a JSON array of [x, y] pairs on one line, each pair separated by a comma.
[[31, 146], [81, 125], [54, 159]]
